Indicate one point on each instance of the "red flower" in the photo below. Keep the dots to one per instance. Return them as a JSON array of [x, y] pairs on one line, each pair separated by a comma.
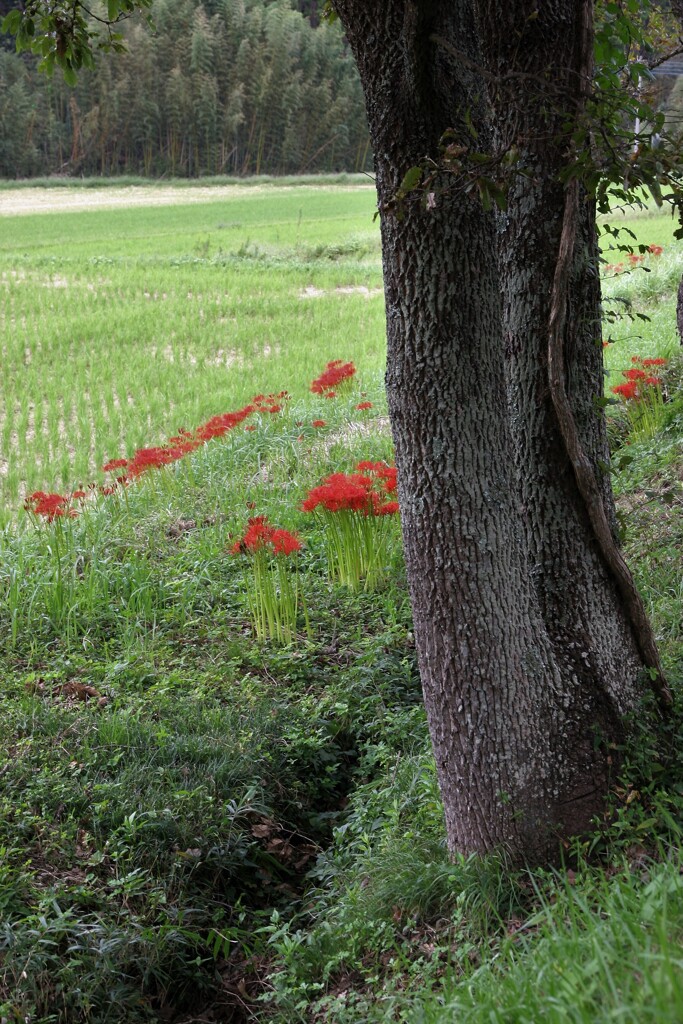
[[355, 492], [331, 394], [362, 406], [335, 373], [284, 543], [381, 470], [340, 492], [269, 403], [389, 508], [114, 464], [52, 506], [626, 391], [656, 250], [153, 458], [262, 534], [634, 374], [318, 423], [654, 362]]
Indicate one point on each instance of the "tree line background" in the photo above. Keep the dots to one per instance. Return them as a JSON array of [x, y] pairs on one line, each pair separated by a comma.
[[231, 87]]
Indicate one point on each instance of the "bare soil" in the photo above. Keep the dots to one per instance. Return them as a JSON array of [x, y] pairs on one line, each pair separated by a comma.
[[51, 200]]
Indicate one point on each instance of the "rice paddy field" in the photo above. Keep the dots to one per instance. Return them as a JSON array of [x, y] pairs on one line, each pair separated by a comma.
[[120, 326], [129, 313]]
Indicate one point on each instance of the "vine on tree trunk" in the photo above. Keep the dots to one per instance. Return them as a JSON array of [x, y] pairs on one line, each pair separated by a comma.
[[584, 471]]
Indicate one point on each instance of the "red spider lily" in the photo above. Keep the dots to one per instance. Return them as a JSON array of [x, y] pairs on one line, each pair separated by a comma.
[[638, 380], [250, 426], [380, 469], [335, 373], [655, 250], [284, 543], [318, 423], [218, 426], [260, 535], [341, 492], [270, 403], [362, 406], [635, 259], [51, 506], [355, 492], [273, 593], [353, 508], [114, 464], [387, 508], [626, 391], [331, 394], [154, 458], [644, 403]]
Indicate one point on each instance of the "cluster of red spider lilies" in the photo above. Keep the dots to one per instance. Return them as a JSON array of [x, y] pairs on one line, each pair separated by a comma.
[[639, 379], [634, 260]]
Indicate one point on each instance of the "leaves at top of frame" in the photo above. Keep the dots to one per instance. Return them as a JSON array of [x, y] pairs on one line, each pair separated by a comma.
[[66, 34]]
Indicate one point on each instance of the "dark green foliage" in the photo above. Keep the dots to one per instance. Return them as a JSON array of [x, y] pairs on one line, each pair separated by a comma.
[[220, 88]]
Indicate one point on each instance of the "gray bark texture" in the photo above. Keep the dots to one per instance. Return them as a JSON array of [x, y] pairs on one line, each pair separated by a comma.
[[528, 659]]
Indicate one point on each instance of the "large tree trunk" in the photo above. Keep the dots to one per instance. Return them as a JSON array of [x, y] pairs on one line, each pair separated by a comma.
[[514, 687], [583, 611]]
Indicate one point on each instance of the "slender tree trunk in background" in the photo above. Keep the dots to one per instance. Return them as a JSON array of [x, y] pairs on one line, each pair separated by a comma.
[[679, 311], [515, 683]]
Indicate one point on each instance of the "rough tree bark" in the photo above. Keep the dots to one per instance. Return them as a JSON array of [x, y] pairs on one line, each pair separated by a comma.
[[527, 657]]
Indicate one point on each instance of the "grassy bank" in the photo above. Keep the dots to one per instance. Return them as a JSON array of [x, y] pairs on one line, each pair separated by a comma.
[[200, 824]]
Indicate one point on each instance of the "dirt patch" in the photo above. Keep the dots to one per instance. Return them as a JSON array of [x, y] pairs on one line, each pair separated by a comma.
[[18, 201], [311, 292]]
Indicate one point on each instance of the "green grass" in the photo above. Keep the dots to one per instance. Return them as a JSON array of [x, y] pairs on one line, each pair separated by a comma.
[[231, 827]]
